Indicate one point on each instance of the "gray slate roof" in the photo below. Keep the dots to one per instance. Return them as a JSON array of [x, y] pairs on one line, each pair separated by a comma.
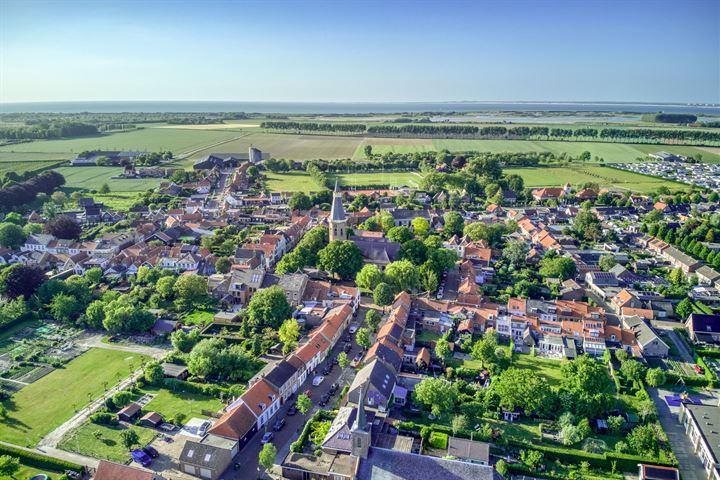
[[384, 464]]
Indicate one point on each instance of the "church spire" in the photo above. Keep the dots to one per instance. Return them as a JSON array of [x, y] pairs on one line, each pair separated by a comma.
[[338, 221]]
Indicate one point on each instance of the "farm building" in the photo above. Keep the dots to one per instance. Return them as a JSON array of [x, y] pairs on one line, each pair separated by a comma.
[[173, 370], [151, 420], [129, 413]]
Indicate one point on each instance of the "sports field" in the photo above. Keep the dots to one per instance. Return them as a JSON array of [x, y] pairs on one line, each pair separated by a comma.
[[44, 405], [92, 178], [611, 152], [301, 181], [580, 174]]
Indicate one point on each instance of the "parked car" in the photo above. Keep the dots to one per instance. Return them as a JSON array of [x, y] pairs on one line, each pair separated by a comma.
[[333, 389], [324, 399], [347, 347], [267, 437], [279, 424], [141, 457], [151, 451], [699, 370], [292, 410], [353, 329], [356, 361], [335, 361], [72, 475], [318, 380], [326, 370], [204, 428]]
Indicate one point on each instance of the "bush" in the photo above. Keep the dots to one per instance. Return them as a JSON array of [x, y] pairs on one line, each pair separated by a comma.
[[40, 461], [192, 387], [104, 418], [438, 440]]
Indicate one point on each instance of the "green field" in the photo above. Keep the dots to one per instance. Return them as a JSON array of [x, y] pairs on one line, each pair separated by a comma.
[[22, 157], [92, 178], [576, 175], [42, 406], [611, 152], [546, 368], [168, 403], [149, 139], [21, 167], [301, 181], [108, 446]]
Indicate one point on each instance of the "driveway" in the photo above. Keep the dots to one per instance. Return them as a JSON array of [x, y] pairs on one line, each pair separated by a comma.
[[95, 341], [690, 465], [681, 346]]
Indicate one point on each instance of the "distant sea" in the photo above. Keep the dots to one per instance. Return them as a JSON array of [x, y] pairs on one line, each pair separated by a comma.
[[354, 108]]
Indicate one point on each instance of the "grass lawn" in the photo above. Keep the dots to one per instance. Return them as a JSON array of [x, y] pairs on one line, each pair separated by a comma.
[[26, 472], [42, 406], [108, 446], [92, 178], [168, 403], [117, 200], [198, 317], [426, 336], [576, 175], [23, 166], [301, 181], [544, 367]]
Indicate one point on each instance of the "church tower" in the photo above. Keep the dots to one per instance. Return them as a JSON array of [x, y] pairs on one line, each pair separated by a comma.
[[338, 221], [359, 432]]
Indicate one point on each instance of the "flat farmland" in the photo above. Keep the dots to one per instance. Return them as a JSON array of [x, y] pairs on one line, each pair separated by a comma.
[[177, 140], [296, 147], [21, 167], [21, 157], [92, 178], [42, 406], [301, 181], [605, 176]]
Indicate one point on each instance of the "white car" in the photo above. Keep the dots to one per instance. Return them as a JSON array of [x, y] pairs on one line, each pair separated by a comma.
[[353, 328], [318, 380]]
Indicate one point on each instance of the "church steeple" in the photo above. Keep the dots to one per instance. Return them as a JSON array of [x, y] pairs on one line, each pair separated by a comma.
[[338, 221], [359, 430]]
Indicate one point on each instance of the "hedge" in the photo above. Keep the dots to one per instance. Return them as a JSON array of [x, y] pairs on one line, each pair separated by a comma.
[[192, 387], [296, 446], [708, 352], [438, 440], [40, 461]]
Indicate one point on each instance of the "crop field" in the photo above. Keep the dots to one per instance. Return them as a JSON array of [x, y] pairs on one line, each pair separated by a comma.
[[605, 176], [21, 157], [42, 406], [301, 181], [177, 140], [92, 178], [21, 167], [611, 152]]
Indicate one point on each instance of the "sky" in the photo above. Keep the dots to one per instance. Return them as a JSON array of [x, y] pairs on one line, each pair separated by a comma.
[[369, 51]]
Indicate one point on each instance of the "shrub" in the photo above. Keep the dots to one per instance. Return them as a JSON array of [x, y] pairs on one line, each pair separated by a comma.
[[104, 418], [40, 461], [438, 440]]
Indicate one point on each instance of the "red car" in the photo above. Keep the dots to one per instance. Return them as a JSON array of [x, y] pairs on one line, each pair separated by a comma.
[[699, 370], [308, 393]]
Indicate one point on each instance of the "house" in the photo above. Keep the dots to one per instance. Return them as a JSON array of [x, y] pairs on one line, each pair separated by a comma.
[[209, 457], [649, 343], [380, 380], [238, 423], [115, 471], [701, 426], [681, 260], [129, 413], [703, 328], [285, 376], [263, 401], [707, 275], [151, 420], [164, 327], [469, 450]]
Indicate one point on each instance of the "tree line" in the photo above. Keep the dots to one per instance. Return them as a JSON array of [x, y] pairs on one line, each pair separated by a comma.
[[661, 117], [48, 131], [519, 132], [26, 191]]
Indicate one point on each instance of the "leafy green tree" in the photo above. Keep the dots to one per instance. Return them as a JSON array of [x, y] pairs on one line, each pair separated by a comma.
[[420, 226], [9, 466], [368, 277], [362, 337], [633, 370], [531, 458], [677, 277], [402, 275], [607, 262], [616, 424], [184, 342], [484, 349], [190, 290], [655, 377], [414, 251], [94, 275], [20, 280], [519, 387], [124, 315], [501, 467], [223, 264], [442, 349], [383, 295], [129, 438], [104, 188], [643, 440], [63, 227], [269, 307], [437, 393], [94, 314], [587, 225], [399, 234], [267, 455], [429, 280], [557, 267], [154, 373], [453, 223], [11, 235], [373, 318], [304, 404], [300, 201], [343, 360], [65, 308], [289, 334], [459, 423], [341, 258], [515, 251], [684, 308]]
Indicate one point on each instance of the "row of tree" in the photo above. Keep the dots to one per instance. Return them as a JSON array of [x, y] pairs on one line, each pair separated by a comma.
[[28, 190], [48, 130], [315, 127]]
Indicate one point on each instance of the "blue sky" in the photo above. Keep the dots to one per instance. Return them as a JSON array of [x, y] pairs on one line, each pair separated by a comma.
[[631, 50]]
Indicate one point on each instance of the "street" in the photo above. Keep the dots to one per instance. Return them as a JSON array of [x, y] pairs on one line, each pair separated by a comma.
[[248, 456]]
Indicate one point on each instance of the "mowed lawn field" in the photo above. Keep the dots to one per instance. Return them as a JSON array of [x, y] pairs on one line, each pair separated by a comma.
[[577, 175], [92, 178], [44, 405], [301, 181], [611, 152]]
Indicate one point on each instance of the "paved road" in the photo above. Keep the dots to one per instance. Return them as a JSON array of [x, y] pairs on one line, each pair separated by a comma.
[[248, 457], [690, 465]]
